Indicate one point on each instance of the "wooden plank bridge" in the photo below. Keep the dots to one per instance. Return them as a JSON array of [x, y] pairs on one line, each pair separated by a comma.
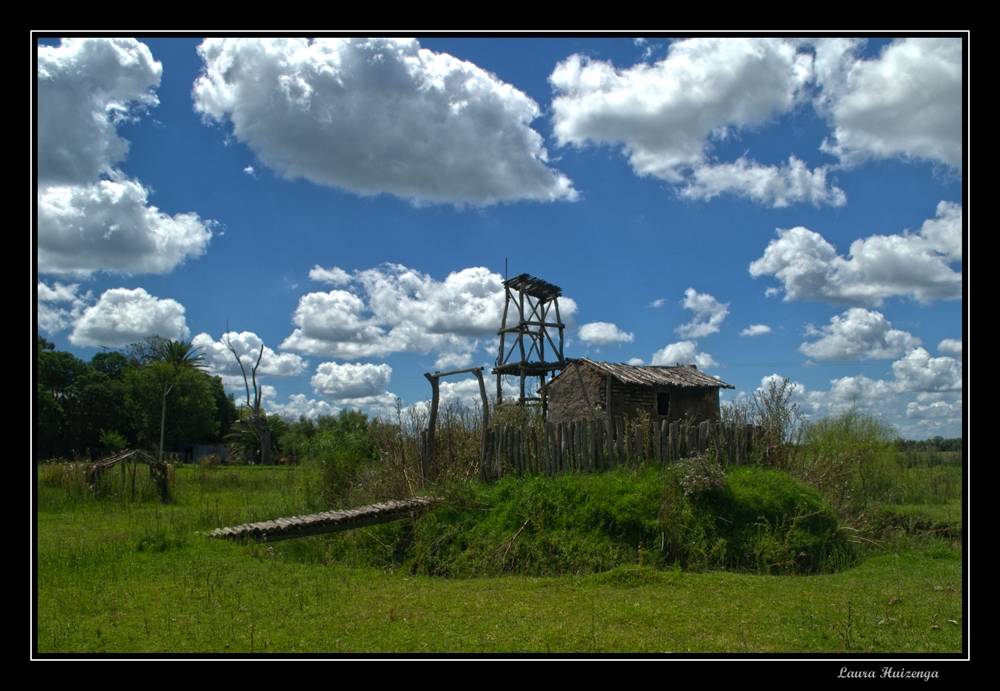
[[326, 522]]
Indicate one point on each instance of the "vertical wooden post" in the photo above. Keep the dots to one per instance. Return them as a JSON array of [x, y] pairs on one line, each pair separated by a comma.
[[429, 456], [609, 442]]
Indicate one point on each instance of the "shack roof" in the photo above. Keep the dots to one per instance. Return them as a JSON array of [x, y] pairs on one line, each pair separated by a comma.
[[653, 375]]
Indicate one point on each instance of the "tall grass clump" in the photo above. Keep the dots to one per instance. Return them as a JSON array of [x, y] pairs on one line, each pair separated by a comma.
[[850, 459]]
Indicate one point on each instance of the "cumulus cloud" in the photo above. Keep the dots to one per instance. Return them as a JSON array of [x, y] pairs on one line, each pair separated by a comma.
[[928, 376], [935, 383], [666, 116], [334, 275], [944, 231], [877, 267], [379, 115], [122, 316], [220, 360], [349, 381], [906, 102], [776, 186], [52, 317], [109, 225], [858, 334], [91, 216], [951, 346], [683, 353], [298, 406], [604, 333], [86, 87], [453, 360], [393, 309], [756, 330], [877, 396], [708, 314]]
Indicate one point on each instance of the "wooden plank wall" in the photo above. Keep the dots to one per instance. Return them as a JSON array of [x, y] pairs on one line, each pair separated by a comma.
[[601, 444]]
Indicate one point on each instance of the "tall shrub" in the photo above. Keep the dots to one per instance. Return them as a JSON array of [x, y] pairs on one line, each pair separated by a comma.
[[850, 458]]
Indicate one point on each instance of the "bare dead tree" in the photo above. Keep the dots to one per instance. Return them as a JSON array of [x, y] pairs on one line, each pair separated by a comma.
[[258, 419]]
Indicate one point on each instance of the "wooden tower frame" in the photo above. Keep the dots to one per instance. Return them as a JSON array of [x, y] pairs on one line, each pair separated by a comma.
[[535, 301]]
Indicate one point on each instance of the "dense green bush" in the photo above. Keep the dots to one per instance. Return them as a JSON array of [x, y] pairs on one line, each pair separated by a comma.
[[341, 448]]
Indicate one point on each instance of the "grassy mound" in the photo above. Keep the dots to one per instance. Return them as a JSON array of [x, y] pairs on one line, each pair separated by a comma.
[[755, 520], [769, 522]]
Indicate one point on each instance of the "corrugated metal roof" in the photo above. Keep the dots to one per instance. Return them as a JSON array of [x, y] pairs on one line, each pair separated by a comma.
[[653, 375]]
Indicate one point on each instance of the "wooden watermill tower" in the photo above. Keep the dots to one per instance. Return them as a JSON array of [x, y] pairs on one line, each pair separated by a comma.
[[523, 339]]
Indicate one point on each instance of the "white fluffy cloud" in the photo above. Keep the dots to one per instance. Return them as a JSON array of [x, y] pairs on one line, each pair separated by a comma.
[[708, 314], [934, 383], [951, 346], [683, 353], [379, 115], [756, 330], [298, 406], [928, 376], [109, 225], [928, 421], [858, 333], [878, 267], [349, 381], [667, 115], [122, 316], [777, 186], [86, 87], [91, 217], [944, 231], [604, 333], [52, 317], [907, 102], [393, 309], [220, 360]]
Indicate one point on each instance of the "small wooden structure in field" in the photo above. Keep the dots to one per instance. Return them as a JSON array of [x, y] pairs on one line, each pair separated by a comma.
[[127, 461], [672, 394]]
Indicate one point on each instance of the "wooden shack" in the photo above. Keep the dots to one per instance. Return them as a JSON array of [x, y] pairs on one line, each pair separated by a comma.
[[673, 394]]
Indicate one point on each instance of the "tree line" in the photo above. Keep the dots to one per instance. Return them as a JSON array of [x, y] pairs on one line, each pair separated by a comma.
[[119, 398]]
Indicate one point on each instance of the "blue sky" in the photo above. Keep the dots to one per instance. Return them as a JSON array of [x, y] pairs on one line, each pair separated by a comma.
[[757, 206]]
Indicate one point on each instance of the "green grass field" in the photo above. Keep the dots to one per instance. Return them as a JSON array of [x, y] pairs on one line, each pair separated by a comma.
[[123, 576]]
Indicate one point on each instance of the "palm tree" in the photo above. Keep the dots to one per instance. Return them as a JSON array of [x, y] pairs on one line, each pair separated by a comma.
[[244, 439], [181, 354]]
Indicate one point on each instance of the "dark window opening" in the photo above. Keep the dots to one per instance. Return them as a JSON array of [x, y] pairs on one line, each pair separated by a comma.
[[663, 403]]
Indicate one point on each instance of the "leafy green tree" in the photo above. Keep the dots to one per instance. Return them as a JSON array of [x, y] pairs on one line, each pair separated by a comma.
[[190, 405], [225, 409], [112, 363], [342, 446], [145, 351], [121, 396]]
